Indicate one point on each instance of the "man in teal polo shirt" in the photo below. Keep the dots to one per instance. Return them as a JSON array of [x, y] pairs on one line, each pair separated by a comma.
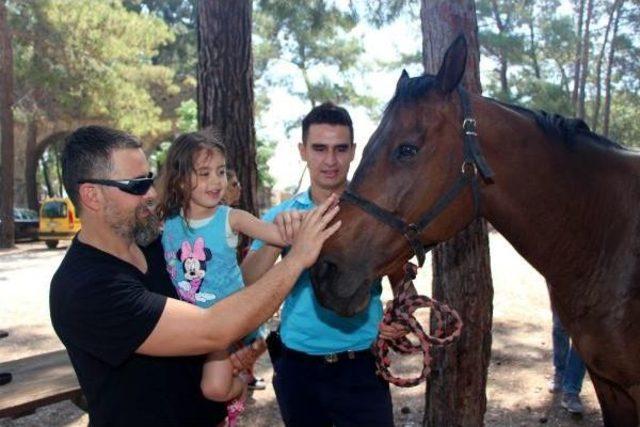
[[324, 369]]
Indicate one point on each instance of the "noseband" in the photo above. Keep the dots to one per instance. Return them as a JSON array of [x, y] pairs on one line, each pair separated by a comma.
[[473, 162]]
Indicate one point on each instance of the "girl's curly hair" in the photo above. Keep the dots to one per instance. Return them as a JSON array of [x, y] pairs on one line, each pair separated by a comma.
[[175, 177]]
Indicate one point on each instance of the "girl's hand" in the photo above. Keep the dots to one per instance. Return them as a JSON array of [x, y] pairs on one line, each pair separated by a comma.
[[288, 224], [244, 357]]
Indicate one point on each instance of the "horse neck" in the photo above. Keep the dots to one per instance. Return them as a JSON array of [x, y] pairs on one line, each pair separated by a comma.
[[554, 202]]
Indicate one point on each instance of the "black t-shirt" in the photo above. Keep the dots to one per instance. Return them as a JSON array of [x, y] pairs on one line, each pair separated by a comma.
[[103, 309]]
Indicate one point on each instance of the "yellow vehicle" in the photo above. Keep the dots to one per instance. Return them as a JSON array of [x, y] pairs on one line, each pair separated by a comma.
[[58, 221]]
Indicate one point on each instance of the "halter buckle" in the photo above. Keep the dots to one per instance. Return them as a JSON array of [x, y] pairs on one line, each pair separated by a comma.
[[331, 358], [465, 168], [469, 126], [411, 231]]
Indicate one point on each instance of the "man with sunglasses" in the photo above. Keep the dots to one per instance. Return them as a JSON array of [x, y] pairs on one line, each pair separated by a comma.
[[136, 349]]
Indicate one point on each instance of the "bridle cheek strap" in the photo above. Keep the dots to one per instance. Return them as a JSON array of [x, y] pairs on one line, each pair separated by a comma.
[[473, 163]]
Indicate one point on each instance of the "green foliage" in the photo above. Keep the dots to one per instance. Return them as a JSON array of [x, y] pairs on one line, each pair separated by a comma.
[[181, 53], [383, 12], [543, 95], [534, 46], [314, 36], [159, 156], [188, 116], [93, 59], [625, 127], [264, 151]]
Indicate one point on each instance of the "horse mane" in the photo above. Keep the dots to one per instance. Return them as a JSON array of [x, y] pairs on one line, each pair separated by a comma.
[[411, 89], [567, 130]]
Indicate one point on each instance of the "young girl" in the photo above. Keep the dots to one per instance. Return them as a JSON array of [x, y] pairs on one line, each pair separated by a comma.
[[200, 239]]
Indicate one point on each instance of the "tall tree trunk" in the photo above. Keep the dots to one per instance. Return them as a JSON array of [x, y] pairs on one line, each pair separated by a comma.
[[31, 162], [57, 154], [504, 83], [607, 82], [584, 66], [455, 393], [564, 78], [533, 53], [504, 63], [578, 57], [7, 157], [45, 177], [225, 85], [598, 98]]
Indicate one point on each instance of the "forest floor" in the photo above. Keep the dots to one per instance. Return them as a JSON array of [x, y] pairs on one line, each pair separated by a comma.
[[518, 374]]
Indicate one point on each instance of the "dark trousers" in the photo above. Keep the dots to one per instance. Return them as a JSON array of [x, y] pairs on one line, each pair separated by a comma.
[[314, 392]]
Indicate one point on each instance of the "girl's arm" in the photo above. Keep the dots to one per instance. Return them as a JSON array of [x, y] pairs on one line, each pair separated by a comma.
[[218, 382], [245, 223]]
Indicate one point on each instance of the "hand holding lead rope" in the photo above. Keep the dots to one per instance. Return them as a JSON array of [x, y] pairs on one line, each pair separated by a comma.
[[401, 311]]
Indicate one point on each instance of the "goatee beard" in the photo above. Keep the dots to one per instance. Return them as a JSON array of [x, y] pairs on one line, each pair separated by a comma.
[[146, 229]]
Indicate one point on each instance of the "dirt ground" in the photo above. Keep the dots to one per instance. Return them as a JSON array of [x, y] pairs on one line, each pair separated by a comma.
[[519, 371]]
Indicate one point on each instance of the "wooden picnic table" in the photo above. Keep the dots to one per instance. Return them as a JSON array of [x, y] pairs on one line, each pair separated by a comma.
[[37, 381]]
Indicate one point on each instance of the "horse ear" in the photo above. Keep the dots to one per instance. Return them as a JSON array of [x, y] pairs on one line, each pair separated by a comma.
[[403, 76], [453, 65]]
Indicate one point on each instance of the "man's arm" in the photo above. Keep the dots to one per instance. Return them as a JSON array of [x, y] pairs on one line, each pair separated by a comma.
[[184, 329]]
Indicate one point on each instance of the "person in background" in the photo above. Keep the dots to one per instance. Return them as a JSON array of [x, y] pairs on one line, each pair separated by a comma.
[[234, 189], [569, 369]]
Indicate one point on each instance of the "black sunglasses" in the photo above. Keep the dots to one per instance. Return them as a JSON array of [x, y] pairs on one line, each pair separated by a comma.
[[137, 186]]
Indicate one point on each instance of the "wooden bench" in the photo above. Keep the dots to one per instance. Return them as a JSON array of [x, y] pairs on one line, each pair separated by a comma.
[[38, 381]]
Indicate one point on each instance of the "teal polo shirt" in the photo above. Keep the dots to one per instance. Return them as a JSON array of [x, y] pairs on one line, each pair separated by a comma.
[[307, 326]]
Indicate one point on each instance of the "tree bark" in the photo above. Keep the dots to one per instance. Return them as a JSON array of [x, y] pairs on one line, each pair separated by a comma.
[[45, 177], [607, 83], [455, 393], [58, 154], [598, 97], [7, 157], [533, 53], [584, 66], [578, 57], [225, 85], [504, 63], [31, 163]]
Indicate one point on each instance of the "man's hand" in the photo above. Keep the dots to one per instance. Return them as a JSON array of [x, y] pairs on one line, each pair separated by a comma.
[[313, 232], [288, 224], [246, 356], [392, 331]]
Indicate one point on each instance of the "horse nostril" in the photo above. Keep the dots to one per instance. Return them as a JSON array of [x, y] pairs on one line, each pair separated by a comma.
[[325, 271]]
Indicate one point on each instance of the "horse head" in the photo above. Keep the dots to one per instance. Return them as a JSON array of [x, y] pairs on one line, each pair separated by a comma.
[[413, 158]]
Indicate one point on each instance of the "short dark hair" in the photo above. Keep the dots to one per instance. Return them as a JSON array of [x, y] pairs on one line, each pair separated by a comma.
[[326, 113], [87, 155]]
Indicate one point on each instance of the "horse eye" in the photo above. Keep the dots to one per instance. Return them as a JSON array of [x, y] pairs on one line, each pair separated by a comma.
[[406, 151]]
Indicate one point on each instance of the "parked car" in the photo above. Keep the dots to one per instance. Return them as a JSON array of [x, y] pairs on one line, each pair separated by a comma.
[[25, 223], [58, 221]]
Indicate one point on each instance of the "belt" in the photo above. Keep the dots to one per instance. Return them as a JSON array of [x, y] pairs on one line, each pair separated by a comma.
[[326, 358]]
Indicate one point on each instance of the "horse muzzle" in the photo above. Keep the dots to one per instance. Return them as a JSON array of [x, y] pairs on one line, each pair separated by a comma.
[[338, 290]]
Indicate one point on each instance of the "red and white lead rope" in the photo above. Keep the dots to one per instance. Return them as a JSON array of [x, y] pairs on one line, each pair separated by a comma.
[[401, 311]]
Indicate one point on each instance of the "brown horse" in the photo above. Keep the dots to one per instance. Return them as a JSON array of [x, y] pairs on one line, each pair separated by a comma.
[[566, 198]]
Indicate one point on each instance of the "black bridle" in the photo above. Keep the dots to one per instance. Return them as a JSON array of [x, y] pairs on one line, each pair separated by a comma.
[[473, 162]]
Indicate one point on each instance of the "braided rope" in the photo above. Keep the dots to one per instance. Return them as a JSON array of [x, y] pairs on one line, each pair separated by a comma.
[[401, 311]]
